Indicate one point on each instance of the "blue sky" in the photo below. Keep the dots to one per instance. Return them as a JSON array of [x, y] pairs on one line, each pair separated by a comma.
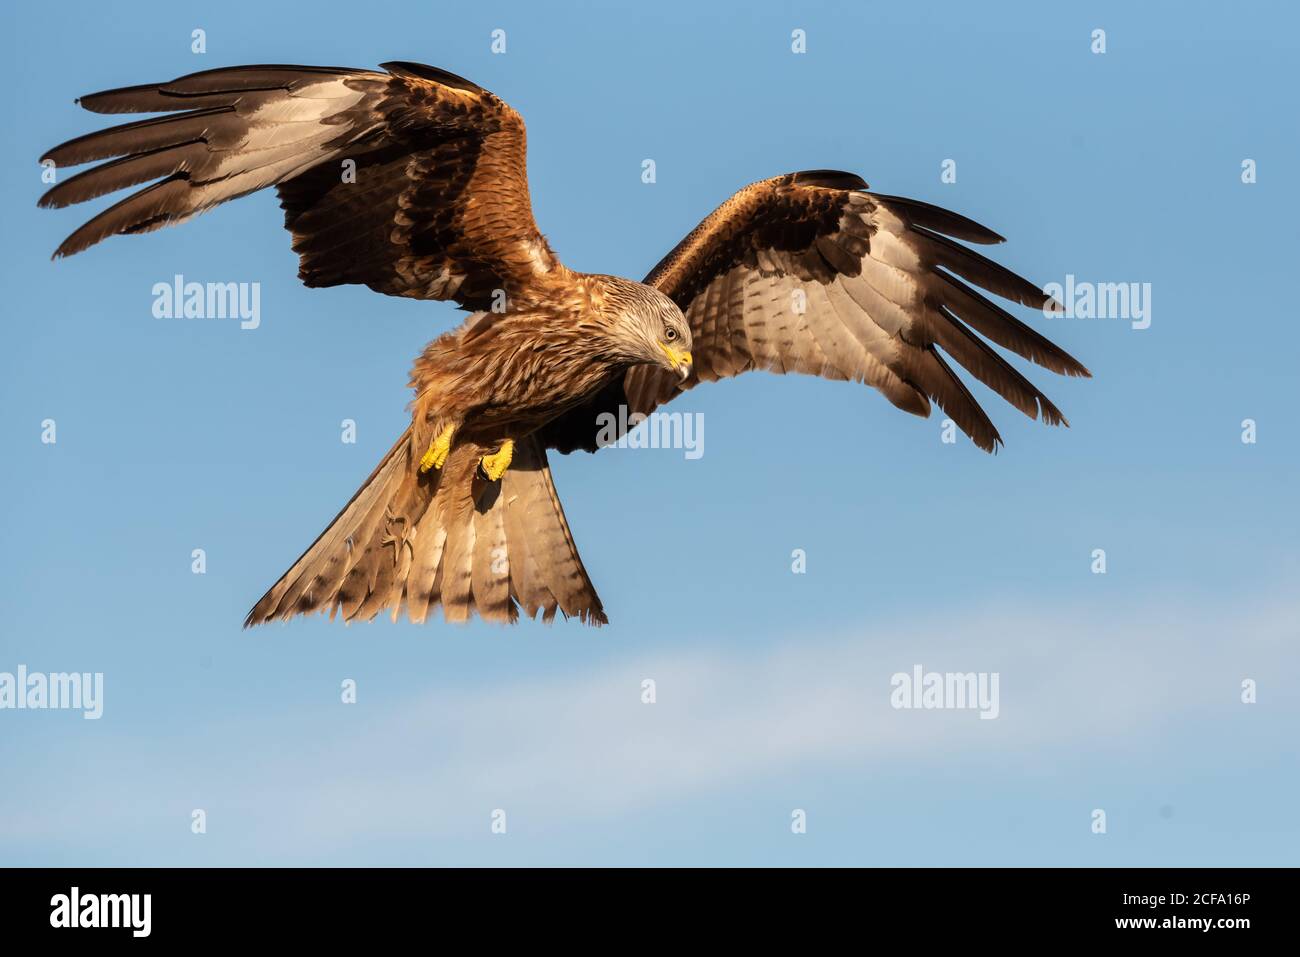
[[1118, 691]]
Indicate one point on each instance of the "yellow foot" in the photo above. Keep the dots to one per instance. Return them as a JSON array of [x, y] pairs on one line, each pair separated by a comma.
[[438, 451], [494, 466]]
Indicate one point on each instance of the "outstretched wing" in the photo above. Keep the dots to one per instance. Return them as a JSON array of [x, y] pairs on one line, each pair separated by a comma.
[[810, 273], [412, 182]]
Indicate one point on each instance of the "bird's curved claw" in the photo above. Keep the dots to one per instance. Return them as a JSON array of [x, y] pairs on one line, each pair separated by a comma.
[[438, 451], [494, 466]]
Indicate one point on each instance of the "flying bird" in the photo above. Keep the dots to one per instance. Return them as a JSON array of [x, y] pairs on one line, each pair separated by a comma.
[[807, 272]]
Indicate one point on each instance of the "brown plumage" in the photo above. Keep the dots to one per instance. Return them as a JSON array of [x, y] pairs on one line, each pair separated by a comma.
[[875, 276], [413, 182]]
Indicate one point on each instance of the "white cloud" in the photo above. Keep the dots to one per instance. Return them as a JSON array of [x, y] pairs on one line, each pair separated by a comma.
[[583, 743]]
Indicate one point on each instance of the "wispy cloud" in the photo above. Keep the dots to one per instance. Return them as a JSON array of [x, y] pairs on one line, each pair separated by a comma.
[[584, 743]]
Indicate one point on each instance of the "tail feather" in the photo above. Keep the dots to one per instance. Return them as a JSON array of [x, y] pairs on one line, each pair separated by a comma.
[[458, 552], [489, 571], [550, 575], [422, 583], [411, 541], [525, 570]]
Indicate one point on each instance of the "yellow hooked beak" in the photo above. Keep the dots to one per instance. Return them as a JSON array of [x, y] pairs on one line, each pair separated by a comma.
[[681, 361]]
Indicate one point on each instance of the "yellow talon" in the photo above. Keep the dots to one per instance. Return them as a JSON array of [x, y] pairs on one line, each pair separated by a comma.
[[438, 451], [494, 466]]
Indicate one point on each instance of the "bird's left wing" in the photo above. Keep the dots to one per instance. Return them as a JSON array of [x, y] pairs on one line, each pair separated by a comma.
[[412, 182], [808, 272]]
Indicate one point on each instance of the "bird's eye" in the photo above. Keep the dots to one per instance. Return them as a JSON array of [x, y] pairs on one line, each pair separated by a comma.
[[670, 334]]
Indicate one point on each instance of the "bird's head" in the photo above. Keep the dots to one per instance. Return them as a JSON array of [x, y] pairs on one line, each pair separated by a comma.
[[654, 329]]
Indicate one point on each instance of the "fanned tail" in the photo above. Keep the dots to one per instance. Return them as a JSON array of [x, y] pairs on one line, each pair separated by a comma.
[[410, 541]]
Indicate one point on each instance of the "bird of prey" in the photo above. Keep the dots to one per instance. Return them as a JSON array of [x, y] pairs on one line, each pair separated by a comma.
[[807, 272]]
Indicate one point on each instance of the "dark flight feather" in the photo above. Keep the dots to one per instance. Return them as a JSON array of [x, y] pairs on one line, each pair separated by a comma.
[[881, 268], [424, 170]]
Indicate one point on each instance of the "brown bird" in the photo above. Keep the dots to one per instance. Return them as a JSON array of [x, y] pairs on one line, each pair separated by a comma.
[[413, 182]]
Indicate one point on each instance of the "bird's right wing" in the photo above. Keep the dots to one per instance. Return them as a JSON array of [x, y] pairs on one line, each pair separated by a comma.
[[810, 273], [412, 182]]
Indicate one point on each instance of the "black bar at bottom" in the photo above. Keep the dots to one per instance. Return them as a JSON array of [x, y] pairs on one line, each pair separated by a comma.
[[335, 905]]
